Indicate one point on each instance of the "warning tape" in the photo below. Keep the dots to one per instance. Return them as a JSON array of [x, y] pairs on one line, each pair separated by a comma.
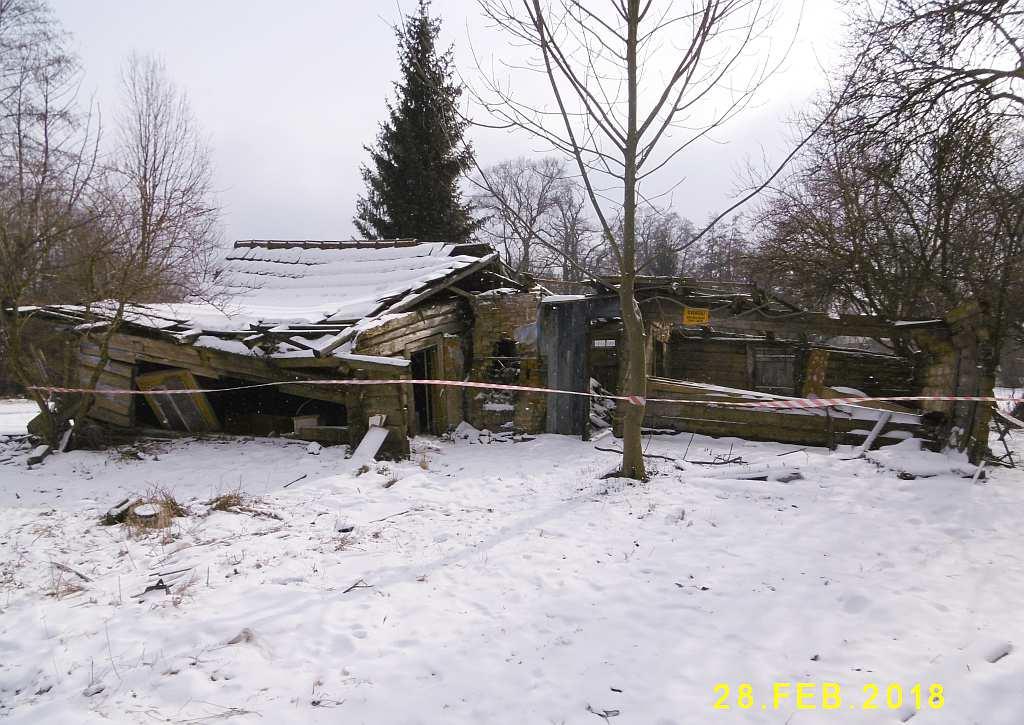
[[782, 403]]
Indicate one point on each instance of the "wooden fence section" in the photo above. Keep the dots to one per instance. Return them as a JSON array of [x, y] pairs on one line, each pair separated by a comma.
[[812, 426]]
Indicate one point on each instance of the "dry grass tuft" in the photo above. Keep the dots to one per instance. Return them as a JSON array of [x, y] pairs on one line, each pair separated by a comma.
[[161, 501], [230, 501], [62, 585], [342, 542], [237, 502]]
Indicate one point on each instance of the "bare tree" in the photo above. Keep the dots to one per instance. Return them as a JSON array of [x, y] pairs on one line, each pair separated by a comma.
[[633, 83], [573, 249], [722, 253], [47, 161], [964, 55], [520, 199], [904, 230], [141, 227], [163, 220], [660, 233]]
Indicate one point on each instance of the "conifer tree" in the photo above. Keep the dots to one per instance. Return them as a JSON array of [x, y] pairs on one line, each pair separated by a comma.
[[412, 180]]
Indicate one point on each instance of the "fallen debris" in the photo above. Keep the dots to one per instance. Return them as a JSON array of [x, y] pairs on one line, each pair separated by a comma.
[[371, 443], [998, 651], [67, 569], [246, 635], [38, 454], [358, 584], [646, 455]]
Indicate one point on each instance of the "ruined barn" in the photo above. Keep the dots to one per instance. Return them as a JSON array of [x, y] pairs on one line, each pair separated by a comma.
[[712, 342], [297, 313]]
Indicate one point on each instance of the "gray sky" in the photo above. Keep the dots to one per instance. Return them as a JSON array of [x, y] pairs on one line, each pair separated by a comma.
[[288, 94]]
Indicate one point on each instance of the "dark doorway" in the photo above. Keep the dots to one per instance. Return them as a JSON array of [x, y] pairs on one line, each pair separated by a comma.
[[424, 367]]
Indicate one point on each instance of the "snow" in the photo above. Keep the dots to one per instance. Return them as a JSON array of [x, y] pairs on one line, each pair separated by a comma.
[[555, 299], [281, 286], [851, 392], [398, 362], [507, 583], [218, 343], [313, 285], [1017, 395], [15, 414], [499, 407]]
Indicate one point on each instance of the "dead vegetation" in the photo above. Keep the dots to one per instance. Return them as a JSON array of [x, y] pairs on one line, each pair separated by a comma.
[[153, 511], [65, 581], [342, 542], [230, 501], [238, 502]]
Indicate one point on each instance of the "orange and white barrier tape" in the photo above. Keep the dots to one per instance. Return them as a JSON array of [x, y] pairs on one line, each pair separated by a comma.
[[782, 403]]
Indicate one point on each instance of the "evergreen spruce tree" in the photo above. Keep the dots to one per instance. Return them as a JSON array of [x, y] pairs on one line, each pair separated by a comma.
[[412, 181]]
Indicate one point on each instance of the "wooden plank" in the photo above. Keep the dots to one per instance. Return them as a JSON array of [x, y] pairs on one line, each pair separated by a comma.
[[875, 432], [449, 309], [369, 446], [329, 394], [113, 379], [806, 323], [379, 336], [192, 413], [114, 366], [289, 363], [398, 345], [107, 416], [121, 404], [829, 394], [329, 434], [207, 362]]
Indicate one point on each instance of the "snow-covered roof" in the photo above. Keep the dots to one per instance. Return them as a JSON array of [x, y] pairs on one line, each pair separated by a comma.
[[304, 295], [333, 282]]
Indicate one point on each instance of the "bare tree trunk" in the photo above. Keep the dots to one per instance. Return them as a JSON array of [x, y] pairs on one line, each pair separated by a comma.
[[634, 376]]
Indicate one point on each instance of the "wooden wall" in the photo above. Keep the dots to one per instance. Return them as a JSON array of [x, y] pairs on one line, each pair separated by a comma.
[[118, 410], [411, 331], [504, 350], [798, 427], [716, 362], [442, 325], [881, 375]]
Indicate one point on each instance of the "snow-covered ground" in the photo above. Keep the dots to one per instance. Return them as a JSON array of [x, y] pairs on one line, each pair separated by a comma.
[[509, 583], [15, 414]]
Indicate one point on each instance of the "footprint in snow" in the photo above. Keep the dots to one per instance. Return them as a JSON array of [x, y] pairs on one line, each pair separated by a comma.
[[855, 603]]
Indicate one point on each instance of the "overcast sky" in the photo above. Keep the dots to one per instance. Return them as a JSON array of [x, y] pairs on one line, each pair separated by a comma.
[[288, 94]]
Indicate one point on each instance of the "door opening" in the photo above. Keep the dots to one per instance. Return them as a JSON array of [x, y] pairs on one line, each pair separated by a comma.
[[424, 367], [775, 370]]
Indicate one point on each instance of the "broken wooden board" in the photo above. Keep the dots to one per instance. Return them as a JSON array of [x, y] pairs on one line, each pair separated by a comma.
[[1008, 419], [371, 444], [883, 419], [38, 454], [192, 413], [331, 435]]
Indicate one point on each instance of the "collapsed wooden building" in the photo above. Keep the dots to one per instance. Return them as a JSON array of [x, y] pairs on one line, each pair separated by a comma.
[[298, 313], [714, 343]]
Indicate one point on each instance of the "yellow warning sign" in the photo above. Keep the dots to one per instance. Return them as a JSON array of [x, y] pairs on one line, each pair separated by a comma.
[[696, 315]]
